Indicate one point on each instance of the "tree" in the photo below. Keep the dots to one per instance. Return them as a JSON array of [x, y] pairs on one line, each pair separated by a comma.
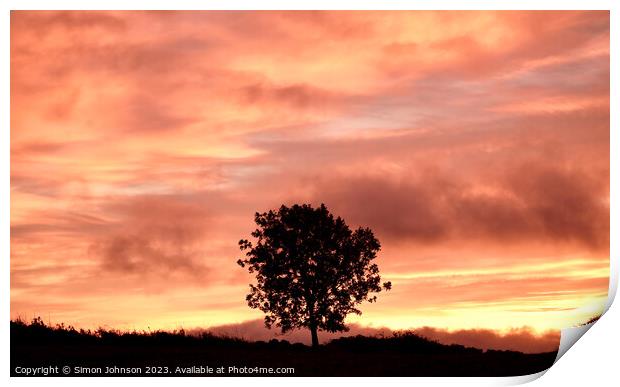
[[311, 269]]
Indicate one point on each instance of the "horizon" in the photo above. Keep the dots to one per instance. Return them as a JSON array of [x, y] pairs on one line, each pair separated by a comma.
[[474, 144], [516, 339]]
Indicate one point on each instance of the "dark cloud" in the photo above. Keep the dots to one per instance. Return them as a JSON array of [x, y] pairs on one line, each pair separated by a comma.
[[296, 96], [38, 147], [397, 209], [150, 115], [255, 330], [78, 21], [135, 253], [154, 234], [528, 203], [520, 339]]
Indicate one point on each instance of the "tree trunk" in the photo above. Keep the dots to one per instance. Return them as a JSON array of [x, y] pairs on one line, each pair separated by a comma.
[[315, 336], [312, 320]]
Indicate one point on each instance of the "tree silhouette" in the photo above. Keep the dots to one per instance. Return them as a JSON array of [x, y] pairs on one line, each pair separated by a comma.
[[311, 269]]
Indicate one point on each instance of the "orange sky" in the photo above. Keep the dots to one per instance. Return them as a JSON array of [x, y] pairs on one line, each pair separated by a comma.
[[475, 145]]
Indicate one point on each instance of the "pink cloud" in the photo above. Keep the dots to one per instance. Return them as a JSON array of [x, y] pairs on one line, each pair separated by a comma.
[[142, 143]]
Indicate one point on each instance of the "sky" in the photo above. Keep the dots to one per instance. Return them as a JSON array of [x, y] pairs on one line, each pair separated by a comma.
[[474, 144]]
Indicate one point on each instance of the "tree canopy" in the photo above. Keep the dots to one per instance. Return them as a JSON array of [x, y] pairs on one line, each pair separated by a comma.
[[311, 269]]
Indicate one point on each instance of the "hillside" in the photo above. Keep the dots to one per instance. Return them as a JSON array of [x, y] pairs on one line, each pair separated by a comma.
[[179, 354]]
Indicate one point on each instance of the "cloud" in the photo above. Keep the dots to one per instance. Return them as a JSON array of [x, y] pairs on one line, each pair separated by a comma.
[[255, 330], [76, 21], [510, 41], [154, 234], [298, 96], [146, 114], [142, 143], [519, 339], [524, 203]]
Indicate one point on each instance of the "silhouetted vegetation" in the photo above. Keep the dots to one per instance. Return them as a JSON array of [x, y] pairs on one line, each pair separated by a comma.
[[403, 354], [311, 269], [593, 319]]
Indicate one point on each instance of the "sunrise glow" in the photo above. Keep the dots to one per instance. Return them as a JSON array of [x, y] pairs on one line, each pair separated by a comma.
[[474, 144]]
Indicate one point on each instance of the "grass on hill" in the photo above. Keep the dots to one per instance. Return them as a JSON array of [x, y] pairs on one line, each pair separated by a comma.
[[402, 354]]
